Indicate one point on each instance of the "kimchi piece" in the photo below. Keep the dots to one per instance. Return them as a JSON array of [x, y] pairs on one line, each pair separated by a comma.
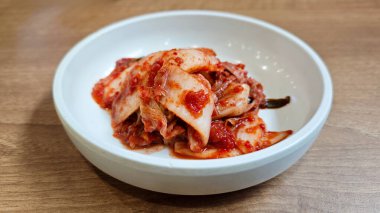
[[188, 100]]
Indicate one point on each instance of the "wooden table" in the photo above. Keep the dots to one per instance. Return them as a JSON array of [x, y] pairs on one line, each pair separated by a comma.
[[41, 170]]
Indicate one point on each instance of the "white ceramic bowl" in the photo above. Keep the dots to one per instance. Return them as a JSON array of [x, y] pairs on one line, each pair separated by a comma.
[[283, 63]]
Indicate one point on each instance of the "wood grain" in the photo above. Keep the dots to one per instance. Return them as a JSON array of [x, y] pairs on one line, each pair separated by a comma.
[[40, 170]]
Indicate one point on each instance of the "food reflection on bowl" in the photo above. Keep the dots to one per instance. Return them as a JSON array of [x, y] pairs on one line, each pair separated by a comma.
[[280, 61]]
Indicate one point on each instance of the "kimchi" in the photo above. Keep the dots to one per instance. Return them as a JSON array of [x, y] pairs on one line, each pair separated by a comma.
[[188, 100]]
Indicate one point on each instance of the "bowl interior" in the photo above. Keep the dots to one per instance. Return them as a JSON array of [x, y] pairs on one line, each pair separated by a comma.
[[282, 66]]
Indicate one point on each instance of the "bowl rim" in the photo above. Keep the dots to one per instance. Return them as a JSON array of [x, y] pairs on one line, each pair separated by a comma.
[[253, 159]]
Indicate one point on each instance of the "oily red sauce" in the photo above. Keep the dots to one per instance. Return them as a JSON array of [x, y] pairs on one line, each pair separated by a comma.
[[196, 101], [249, 146], [220, 136], [173, 85], [256, 146], [178, 60], [240, 66], [133, 83], [262, 126], [223, 102], [145, 95], [156, 66], [251, 129], [265, 144], [98, 93], [238, 89]]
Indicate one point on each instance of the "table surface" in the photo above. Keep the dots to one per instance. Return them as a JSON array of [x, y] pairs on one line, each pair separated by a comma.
[[41, 170]]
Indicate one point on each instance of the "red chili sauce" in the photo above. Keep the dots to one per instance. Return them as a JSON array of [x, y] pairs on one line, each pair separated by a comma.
[[220, 136], [196, 101], [238, 89], [156, 66], [178, 60]]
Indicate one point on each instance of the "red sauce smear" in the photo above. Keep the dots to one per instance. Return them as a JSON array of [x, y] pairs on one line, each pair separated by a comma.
[[251, 129], [249, 146], [98, 93], [224, 102], [221, 136], [145, 95], [156, 66], [265, 144], [178, 60], [133, 83], [173, 85], [196, 101], [238, 89]]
